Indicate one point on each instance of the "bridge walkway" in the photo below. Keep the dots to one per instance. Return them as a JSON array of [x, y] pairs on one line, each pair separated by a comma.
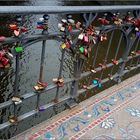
[[112, 114]]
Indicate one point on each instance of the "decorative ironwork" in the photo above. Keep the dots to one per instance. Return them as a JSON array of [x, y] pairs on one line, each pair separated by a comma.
[[87, 41]]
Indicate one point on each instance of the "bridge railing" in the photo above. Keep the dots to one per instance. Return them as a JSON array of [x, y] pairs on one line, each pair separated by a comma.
[[111, 49]]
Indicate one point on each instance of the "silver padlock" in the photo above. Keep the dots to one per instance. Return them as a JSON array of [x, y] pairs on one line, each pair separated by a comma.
[[59, 25], [71, 21], [81, 36]]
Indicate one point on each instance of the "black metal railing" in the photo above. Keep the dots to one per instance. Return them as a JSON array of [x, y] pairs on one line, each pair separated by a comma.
[[83, 41]]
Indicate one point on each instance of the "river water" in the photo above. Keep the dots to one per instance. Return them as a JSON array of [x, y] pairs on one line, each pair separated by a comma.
[[29, 67]]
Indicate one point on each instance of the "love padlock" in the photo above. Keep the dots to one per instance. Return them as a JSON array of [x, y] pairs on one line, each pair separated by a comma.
[[78, 25], [63, 46], [16, 100], [13, 27], [13, 119], [60, 25], [85, 87], [62, 29], [81, 36], [4, 61], [40, 86], [103, 66], [71, 21], [86, 52], [59, 82], [110, 77], [2, 38], [68, 45], [40, 27], [103, 21], [133, 53], [129, 18], [115, 62], [17, 33], [116, 19], [69, 28], [103, 37], [64, 21], [19, 49], [86, 40], [97, 82], [24, 29], [81, 49], [93, 70], [137, 23]]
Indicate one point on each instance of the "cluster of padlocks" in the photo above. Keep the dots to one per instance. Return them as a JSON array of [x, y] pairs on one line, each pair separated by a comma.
[[86, 39]]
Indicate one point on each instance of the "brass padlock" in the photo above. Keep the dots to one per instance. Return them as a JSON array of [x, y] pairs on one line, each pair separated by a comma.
[[63, 46], [59, 82], [62, 29], [16, 100], [38, 87], [13, 119], [78, 24]]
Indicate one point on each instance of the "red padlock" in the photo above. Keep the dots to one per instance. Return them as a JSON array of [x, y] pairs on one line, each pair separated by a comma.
[[40, 27], [2, 53], [86, 52], [102, 66], [115, 62], [2, 38], [137, 23], [23, 29], [4, 61], [103, 21], [67, 44], [70, 28], [16, 33], [13, 27]]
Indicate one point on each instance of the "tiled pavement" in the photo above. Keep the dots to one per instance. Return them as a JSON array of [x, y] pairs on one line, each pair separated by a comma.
[[110, 115]]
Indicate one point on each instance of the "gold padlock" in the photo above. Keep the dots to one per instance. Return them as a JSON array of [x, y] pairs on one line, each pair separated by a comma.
[[62, 29], [39, 87], [13, 119], [63, 46]]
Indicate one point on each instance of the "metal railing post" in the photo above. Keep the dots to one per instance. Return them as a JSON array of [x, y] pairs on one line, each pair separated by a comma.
[[42, 62], [120, 71]]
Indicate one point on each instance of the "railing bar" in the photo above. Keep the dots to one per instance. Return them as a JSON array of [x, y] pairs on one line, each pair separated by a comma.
[[125, 58], [95, 57], [16, 76], [118, 47], [60, 73], [50, 87], [63, 9], [108, 49], [137, 45], [52, 35], [33, 112]]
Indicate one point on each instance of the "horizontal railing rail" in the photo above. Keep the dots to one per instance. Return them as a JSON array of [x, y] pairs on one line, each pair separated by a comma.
[[63, 9]]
